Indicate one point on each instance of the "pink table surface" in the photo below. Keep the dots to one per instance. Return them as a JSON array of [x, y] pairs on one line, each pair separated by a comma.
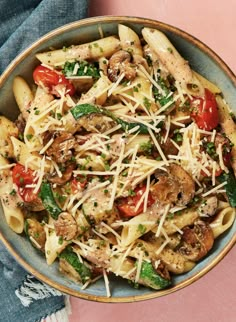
[[212, 298]]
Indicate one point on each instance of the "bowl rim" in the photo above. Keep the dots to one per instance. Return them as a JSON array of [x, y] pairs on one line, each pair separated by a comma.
[[118, 19]]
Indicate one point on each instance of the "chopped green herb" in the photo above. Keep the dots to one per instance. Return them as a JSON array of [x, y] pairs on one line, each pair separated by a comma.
[[84, 69], [142, 229], [149, 60], [124, 173], [61, 198], [60, 240], [177, 137], [233, 116], [29, 136], [210, 149], [21, 136], [165, 96], [13, 192], [22, 180], [106, 166], [131, 193], [59, 116], [146, 147], [147, 103], [170, 215]]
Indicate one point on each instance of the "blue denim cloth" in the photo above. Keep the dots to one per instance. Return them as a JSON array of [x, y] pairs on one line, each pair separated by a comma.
[[21, 23], [24, 21]]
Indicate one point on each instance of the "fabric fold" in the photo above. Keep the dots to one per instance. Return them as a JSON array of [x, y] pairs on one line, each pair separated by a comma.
[[34, 23], [23, 298]]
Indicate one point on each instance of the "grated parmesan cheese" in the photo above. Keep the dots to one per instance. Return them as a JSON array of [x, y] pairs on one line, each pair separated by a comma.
[[106, 283]]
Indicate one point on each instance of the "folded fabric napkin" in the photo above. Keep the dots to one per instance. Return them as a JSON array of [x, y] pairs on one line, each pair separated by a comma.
[[22, 297]]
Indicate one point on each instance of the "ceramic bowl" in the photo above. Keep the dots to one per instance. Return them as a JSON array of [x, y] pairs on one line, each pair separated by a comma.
[[202, 59]]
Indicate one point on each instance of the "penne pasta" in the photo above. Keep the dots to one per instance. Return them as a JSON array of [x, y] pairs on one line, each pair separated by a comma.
[[8, 130], [228, 126], [120, 162], [13, 214], [172, 60], [176, 263], [223, 221], [141, 93], [53, 246], [98, 93], [23, 95], [94, 50], [129, 40], [185, 218], [207, 84], [137, 227]]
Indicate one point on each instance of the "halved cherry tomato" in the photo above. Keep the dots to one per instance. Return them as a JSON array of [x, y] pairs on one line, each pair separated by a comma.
[[127, 205], [50, 78], [77, 184], [204, 111], [217, 173], [22, 177], [227, 158]]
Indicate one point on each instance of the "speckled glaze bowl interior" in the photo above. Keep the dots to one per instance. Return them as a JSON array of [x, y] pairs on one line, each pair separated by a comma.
[[202, 59]]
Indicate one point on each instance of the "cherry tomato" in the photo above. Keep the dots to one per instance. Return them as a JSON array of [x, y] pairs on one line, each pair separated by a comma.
[[77, 184], [227, 157], [217, 173], [127, 205], [204, 111], [22, 177], [50, 78]]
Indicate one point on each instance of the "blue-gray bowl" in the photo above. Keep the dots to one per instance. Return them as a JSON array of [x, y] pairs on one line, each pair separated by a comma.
[[202, 59]]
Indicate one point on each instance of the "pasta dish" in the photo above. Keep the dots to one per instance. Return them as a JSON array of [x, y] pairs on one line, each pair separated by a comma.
[[122, 160]]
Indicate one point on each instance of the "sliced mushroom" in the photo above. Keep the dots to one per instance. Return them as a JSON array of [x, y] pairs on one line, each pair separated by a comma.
[[174, 186], [96, 123], [169, 148], [196, 241], [120, 63], [61, 148], [96, 208], [20, 123], [34, 205], [161, 269], [65, 226], [100, 256], [208, 207], [175, 262], [66, 175], [185, 182], [36, 233]]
